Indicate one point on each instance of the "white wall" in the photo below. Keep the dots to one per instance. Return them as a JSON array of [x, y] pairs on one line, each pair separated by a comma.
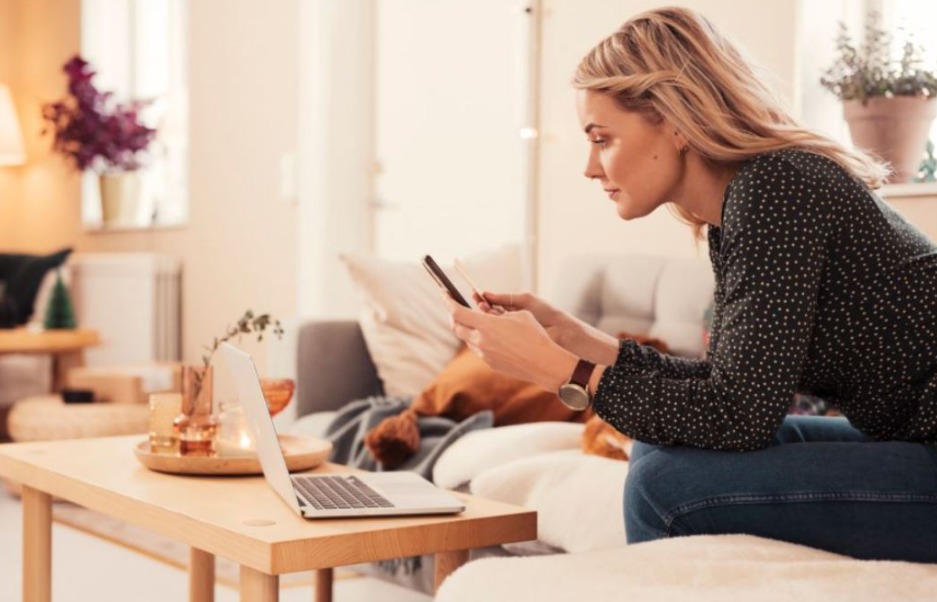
[[238, 249], [576, 217], [335, 150]]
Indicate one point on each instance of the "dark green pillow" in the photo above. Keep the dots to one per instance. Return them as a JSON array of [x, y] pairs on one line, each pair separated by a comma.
[[22, 276]]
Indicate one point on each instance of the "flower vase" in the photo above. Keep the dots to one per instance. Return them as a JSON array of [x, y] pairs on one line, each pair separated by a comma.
[[196, 424], [119, 194]]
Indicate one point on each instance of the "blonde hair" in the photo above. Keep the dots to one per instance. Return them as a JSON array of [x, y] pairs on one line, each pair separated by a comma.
[[671, 64]]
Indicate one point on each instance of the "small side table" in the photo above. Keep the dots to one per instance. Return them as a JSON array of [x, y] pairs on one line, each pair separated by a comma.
[[65, 346]]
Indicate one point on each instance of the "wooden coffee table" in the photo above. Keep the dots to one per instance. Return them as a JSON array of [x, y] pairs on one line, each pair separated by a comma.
[[240, 518], [65, 346]]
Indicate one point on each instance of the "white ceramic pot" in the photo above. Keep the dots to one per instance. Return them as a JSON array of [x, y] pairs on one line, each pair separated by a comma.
[[119, 197]]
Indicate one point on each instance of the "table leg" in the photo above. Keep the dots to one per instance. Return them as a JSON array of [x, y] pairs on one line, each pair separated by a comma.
[[259, 587], [37, 545], [447, 562], [201, 576], [323, 585], [62, 363]]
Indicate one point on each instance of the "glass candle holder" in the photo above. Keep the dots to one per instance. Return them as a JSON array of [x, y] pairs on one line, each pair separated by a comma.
[[232, 437], [164, 407], [195, 425]]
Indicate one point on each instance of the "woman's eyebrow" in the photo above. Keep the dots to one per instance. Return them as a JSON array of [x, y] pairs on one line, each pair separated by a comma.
[[592, 126]]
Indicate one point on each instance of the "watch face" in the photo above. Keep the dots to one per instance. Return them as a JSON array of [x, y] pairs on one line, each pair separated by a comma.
[[574, 397]]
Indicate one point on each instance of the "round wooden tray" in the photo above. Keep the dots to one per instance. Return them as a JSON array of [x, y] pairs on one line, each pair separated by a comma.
[[301, 453]]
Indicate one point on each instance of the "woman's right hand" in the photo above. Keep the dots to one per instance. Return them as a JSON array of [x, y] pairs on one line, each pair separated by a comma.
[[565, 330]]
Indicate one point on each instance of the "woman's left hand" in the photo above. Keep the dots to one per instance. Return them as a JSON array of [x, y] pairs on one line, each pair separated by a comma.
[[513, 343]]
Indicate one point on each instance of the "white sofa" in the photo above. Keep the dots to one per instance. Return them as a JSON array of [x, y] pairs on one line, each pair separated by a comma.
[[538, 465]]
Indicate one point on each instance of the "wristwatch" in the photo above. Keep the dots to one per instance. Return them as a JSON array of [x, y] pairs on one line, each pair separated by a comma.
[[575, 393]]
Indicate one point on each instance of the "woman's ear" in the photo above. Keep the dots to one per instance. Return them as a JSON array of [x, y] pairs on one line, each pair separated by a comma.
[[680, 143]]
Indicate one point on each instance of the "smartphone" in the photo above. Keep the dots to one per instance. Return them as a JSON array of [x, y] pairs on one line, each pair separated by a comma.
[[443, 281], [460, 268]]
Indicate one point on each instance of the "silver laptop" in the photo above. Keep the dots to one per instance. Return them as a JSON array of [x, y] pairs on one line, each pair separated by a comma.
[[329, 495]]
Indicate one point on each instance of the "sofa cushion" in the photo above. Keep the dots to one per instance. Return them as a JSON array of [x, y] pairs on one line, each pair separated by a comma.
[[662, 297], [404, 321], [22, 276], [480, 451], [578, 498], [702, 568]]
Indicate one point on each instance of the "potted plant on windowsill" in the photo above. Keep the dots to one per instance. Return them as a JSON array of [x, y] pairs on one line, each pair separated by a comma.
[[97, 133], [888, 103]]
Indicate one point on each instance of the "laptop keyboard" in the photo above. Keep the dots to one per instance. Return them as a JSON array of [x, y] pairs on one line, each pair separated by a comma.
[[329, 493]]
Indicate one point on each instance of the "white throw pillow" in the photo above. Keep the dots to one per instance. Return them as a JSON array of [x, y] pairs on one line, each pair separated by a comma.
[[404, 321], [578, 497], [479, 451]]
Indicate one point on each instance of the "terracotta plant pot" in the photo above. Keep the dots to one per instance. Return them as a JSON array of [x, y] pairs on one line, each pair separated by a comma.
[[894, 129]]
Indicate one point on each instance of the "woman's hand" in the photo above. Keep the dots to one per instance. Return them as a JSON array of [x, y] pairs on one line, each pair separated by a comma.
[[512, 342], [577, 337], [557, 324]]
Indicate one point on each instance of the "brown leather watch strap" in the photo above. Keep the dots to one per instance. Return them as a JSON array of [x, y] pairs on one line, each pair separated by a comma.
[[582, 373]]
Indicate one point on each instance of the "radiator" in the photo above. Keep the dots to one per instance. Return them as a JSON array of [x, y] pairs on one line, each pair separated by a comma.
[[133, 301]]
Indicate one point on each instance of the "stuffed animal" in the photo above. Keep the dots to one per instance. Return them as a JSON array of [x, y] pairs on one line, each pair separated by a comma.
[[467, 385]]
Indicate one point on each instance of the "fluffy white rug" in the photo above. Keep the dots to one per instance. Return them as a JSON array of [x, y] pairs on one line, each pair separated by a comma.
[[701, 568]]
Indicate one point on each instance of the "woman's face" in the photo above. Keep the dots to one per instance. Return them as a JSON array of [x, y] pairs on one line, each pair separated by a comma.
[[638, 162]]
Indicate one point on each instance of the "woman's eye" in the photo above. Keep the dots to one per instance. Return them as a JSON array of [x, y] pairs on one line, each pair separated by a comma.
[[599, 141]]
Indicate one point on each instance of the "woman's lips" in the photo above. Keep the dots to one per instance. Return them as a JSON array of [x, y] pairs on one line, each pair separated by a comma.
[[612, 192]]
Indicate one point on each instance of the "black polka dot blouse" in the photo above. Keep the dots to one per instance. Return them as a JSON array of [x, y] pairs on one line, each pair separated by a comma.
[[821, 288]]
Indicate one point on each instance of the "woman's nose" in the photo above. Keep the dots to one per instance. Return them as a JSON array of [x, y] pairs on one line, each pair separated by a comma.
[[593, 167]]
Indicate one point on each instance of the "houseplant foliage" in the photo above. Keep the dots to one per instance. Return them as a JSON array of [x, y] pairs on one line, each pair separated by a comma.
[[95, 132], [277, 392], [888, 102], [92, 129]]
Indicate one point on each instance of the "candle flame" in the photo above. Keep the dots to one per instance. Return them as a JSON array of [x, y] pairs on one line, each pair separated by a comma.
[[246, 442]]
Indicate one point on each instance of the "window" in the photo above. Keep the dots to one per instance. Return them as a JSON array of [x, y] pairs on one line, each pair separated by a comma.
[[820, 110], [917, 18], [139, 49]]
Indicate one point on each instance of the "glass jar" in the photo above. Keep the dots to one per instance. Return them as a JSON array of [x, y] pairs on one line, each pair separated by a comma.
[[164, 407], [196, 425], [233, 437]]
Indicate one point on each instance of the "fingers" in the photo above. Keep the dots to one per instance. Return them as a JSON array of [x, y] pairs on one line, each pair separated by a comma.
[[461, 315], [465, 333], [486, 307], [509, 301]]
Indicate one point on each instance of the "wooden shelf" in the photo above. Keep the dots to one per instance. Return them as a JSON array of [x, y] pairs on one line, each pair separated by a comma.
[[22, 340]]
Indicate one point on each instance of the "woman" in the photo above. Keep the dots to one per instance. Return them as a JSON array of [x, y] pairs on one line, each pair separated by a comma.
[[820, 288]]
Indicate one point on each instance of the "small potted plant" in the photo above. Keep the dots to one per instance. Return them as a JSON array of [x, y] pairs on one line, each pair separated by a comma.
[[97, 133], [888, 103]]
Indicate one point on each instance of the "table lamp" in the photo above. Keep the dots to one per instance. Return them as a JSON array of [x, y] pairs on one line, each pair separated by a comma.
[[11, 138]]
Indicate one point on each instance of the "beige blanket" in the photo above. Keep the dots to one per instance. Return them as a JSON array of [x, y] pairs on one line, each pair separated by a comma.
[[702, 569]]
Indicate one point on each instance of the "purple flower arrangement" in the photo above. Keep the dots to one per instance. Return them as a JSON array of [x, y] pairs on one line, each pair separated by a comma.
[[91, 129]]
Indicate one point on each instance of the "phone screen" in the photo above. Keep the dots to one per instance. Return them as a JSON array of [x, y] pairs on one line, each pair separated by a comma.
[[443, 281]]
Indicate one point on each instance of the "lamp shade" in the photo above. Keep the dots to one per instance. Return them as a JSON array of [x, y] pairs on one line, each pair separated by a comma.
[[11, 138]]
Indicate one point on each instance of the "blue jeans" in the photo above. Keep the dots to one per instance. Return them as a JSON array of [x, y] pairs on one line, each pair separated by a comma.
[[821, 484]]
